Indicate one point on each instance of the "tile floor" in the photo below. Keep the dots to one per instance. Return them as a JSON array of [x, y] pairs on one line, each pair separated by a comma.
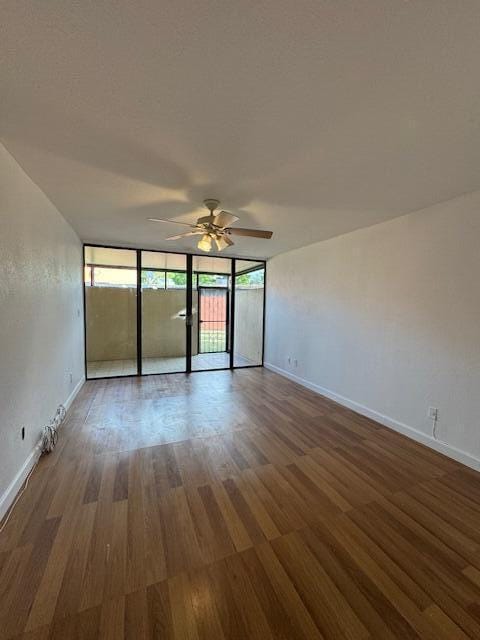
[[107, 368]]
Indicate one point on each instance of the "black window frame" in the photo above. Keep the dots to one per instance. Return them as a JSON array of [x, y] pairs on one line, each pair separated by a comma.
[[258, 264]]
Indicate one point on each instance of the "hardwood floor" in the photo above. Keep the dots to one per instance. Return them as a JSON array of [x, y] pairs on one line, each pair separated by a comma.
[[238, 505]]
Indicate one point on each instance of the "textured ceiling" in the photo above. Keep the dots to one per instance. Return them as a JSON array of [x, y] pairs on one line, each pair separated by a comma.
[[307, 118]]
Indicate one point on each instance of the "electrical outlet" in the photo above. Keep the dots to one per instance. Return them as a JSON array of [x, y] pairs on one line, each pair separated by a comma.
[[432, 413]]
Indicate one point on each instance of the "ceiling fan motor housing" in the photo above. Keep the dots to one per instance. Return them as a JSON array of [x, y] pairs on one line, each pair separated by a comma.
[[211, 204]]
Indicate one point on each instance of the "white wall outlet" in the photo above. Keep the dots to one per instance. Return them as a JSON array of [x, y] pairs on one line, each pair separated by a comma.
[[432, 413]]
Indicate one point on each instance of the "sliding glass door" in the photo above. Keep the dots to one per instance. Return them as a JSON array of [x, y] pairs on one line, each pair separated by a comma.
[[211, 313], [164, 312], [154, 312]]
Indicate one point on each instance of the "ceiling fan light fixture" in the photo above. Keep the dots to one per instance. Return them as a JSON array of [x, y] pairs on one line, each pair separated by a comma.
[[221, 243], [205, 243]]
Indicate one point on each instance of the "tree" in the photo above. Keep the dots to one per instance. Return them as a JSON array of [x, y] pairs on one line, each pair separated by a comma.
[[179, 279], [205, 279], [153, 279], [250, 279]]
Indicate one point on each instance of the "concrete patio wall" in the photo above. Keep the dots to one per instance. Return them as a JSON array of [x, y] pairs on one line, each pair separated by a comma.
[[111, 323], [249, 324]]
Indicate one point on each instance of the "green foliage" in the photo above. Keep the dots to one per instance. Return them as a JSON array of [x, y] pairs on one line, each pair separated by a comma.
[[177, 278], [254, 278], [153, 279], [205, 279]]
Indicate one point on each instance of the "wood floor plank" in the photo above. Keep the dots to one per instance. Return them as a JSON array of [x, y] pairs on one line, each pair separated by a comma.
[[68, 602], [183, 618], [281, 624], [205, 611], [257, 508], [403, 603], [229, 609], [158, 612], [331, 612], [112, 619], [446, 627], [352, 589], [43, 607], [253, 616], [95, 569], [137, 624], [286, 593], [429, 573]]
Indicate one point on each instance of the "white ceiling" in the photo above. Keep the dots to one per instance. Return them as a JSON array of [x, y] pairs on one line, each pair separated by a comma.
[[309, 118]]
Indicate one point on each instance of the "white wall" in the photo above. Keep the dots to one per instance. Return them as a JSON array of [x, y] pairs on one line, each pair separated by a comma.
[[388, 318], [41, 324]]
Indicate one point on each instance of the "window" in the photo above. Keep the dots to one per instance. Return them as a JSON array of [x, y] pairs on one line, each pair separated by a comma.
[[153, 279], [251, 280], [176, 280], [96, 276], [212, 280], [158, 279]]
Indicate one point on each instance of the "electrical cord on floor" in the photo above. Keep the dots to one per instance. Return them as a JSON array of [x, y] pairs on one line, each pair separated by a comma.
[[50, 435], [48, 442]]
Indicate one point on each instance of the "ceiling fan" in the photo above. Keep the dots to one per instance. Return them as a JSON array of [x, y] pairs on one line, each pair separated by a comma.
[[215, 228]]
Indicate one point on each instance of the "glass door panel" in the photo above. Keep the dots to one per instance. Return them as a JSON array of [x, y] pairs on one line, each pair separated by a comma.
[[211, 313], [164, 308], [110, 312], [213, 320], [249, 307]]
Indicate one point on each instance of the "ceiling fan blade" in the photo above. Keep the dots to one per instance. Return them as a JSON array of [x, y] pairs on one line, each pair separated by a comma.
[[184, 235], [185, 224], [254, 233], [224, 219]]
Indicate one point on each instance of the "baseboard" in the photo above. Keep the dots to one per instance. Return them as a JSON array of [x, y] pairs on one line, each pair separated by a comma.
[[11, 491], [419, 436], [68, 402], [8, 496]]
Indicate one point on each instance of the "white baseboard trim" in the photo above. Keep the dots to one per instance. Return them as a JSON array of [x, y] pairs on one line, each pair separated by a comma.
[[68, 402], [419, 436], [11, 491], [8, 496]]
